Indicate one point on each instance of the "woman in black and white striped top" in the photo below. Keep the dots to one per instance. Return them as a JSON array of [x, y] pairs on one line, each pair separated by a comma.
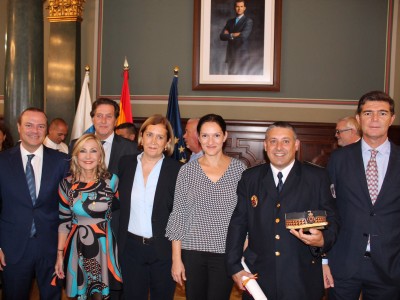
[[205, 197]]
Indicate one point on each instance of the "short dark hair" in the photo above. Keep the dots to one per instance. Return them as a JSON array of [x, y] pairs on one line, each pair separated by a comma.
[[281, 124], [212, 118], [130, 126], [34, 109], [375, 96], [236, 1], [106, 101]]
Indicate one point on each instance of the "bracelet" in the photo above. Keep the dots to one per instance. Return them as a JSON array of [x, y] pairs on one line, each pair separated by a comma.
[[325, 261], [62, 250]]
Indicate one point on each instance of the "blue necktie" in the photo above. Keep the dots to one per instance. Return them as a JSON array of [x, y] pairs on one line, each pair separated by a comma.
[[280, 183], [237, 20], [30, 179]]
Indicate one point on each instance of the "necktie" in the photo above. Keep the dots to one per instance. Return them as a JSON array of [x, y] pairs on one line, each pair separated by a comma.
[[237, 20], [30, 179], [372, 176], [280, 183]]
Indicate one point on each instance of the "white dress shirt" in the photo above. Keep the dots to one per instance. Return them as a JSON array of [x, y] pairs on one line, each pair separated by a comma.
[[62, 147], [107, 145], [37, 163]]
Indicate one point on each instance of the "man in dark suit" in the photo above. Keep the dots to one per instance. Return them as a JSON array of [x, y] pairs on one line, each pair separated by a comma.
[[29, 209], [105, 113], [288, 263], [237, 32], [366, 181]]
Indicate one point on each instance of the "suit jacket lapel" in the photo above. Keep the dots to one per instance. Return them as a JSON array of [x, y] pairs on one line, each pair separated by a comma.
[[240, 22], [17, 168], [356, 164], [391, 173], [46, 173], [129, 178], [114, 153], [266, 184], [161, 180], [292, 180]]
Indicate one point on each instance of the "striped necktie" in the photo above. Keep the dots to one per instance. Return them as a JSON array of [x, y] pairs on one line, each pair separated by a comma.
[[30, 179]]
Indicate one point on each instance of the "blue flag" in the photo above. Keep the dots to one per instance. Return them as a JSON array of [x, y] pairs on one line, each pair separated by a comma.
[[174, 117]]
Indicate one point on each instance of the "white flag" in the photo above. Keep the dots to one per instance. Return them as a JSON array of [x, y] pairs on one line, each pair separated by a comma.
[[83, 121]]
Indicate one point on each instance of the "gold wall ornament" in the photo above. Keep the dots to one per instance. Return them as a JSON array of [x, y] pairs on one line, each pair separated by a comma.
[[65, 10]]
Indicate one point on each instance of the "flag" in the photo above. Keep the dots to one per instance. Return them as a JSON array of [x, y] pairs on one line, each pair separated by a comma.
[[174, 117], [83, 121], [125, 111]]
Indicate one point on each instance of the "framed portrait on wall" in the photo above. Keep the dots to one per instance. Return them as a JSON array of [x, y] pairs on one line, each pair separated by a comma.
[[237, 45]]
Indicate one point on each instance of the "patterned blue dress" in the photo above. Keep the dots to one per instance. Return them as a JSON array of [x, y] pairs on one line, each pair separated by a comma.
[[90, 254]]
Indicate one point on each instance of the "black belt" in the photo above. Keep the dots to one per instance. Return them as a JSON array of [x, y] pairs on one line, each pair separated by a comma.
[[367, 254], [143, 240]]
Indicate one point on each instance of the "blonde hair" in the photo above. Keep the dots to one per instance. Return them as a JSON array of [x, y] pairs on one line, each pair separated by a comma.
[[75, 169], [155, 120]]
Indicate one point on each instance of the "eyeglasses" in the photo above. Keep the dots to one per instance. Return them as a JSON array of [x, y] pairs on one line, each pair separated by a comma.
[[339, 131]]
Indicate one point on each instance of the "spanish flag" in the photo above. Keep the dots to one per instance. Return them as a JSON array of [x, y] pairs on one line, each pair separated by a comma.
[[125, 111]]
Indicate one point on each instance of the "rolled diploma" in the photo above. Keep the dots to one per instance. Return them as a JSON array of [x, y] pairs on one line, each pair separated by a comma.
[[252, 286]]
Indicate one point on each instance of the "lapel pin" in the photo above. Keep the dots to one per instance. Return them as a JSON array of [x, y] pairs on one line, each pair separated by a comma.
[[254, 201]]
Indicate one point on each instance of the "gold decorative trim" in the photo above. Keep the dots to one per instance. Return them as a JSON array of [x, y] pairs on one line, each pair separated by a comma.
[[65, 10]]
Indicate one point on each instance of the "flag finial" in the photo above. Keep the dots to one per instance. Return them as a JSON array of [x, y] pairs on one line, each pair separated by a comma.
[[87, 68], [176, 71], [126, 65]]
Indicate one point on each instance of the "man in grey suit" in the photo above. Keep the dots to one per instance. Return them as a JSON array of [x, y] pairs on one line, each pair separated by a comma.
[[29, 177], [236, 32], [366, 181]]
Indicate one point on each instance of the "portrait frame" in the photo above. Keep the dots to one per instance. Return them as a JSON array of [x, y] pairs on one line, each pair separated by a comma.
[[210, 70]]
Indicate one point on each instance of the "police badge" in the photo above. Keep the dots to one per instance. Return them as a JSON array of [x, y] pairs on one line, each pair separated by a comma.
[[254, 201]]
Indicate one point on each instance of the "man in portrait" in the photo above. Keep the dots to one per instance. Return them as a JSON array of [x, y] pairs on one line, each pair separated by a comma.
[[236, 32]]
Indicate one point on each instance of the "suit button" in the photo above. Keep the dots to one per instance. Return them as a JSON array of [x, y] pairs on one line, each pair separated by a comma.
[[277, 220], [313, 261], [277, 253], [278, 205], [277, 237]]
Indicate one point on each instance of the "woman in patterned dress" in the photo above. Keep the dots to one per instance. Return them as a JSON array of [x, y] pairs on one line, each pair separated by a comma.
[[87, 252], [205, 197]]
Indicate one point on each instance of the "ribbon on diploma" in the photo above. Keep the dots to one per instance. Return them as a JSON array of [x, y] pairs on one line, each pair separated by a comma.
[[251, 285]]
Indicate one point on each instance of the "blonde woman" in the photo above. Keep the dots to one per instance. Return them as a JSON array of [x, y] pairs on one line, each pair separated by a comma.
[[87, 252]]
